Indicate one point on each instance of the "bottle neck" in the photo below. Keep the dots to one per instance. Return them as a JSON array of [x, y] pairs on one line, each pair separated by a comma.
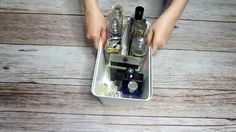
[[117, 10], [117, 13]]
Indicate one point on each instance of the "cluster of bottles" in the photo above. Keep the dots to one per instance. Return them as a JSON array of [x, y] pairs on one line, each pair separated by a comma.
[[125, 74], [136, 44]]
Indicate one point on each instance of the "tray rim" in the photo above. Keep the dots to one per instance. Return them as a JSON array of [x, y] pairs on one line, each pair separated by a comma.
[[150, 95]]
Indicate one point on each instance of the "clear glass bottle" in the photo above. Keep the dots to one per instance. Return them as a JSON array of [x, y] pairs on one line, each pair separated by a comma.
[[115, 22], [138, 28], [139, 24], [139, 47]]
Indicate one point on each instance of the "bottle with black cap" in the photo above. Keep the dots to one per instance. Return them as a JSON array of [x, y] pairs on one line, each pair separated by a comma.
[[139, 25]]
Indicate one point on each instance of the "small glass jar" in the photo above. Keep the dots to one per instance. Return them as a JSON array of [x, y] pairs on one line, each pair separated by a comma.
[[139, 47]]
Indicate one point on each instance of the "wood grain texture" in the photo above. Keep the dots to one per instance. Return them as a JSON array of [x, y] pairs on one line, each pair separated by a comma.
[[211, 10], [208, 36], [42, 29], [42, 6], [79, 100], [75, 7], [74, 66], [69, 31], [30, 121], [46, 67]]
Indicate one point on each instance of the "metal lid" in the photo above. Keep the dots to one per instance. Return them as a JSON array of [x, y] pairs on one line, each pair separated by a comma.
[[138, 13], [130, 73], [132, 85], [117, 8]]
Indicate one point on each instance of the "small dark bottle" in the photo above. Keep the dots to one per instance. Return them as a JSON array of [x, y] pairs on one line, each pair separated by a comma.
[[131, 86]]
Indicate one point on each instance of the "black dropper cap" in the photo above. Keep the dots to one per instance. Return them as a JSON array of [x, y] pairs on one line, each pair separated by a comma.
[[138, 13]]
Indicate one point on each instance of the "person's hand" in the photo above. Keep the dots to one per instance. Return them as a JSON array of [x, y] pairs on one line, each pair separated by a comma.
[[162, 28], [160, 32], [96, 26]]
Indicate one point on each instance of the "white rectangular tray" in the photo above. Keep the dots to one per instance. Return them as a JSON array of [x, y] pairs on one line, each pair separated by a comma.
[[101, 76]]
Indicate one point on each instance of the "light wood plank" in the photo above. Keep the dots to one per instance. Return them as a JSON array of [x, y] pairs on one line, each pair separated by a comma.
[[42, 29], [79, 100], [114, 128], [74, 66], [69, 31], [49, 85], [152, 7], [209, 36], [51, 63], [211, 10], [43, 6], [194, 69], [215, 10], [22, 121]]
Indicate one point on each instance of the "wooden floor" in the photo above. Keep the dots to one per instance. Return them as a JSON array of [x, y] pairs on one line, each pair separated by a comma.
[[46, 67]]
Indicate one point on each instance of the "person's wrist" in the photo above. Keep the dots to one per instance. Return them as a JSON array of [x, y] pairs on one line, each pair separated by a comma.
[[176, 9], [168, 18], [91, 6]]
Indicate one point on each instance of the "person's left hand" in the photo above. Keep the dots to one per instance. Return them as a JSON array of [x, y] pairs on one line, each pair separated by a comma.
[[160, 32]]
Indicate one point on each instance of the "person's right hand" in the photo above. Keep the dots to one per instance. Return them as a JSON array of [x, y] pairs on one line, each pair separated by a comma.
[[96, 25]]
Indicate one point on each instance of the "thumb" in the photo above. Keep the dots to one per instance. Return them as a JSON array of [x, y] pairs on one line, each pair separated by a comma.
[[150, 37], [104, 35], [154, 49], [96, 41], [155, 43]]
